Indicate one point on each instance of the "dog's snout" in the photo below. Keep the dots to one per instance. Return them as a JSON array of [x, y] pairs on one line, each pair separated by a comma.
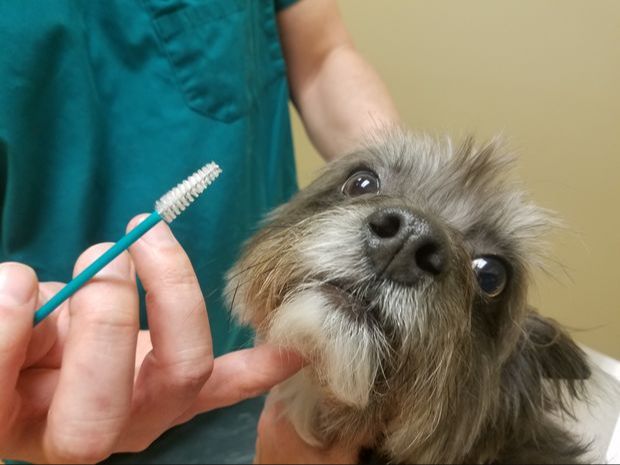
[[403, 245]]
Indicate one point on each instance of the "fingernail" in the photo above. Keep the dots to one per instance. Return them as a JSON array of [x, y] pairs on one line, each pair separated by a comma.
[[159, 235], [119, 267], [16, 284]]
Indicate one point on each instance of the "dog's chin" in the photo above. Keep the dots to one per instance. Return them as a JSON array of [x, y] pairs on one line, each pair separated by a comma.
[[344, 354]]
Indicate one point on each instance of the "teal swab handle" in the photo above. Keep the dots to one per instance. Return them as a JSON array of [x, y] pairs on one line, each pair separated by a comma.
[[77, 282]]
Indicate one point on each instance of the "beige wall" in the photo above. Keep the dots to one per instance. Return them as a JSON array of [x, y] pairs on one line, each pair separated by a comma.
[[547, 75]]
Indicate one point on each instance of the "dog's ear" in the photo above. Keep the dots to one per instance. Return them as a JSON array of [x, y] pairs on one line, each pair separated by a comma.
[[558, 356]]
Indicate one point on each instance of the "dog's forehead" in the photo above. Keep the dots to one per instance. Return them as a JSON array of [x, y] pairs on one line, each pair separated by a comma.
[[427, 168], [460, 184]]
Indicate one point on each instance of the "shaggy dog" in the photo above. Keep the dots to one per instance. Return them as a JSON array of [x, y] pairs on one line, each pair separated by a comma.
[[401, 274]]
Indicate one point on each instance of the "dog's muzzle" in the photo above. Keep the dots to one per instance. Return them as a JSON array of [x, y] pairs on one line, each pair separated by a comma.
[[405, 246]]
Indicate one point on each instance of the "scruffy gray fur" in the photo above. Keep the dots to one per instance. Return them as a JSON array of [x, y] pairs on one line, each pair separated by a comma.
[[409, 358]]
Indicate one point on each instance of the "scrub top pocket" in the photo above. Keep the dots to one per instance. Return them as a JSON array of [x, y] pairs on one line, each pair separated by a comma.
[[223, 53]]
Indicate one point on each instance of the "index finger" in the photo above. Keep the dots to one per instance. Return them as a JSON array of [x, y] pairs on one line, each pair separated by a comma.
[[242, 375]]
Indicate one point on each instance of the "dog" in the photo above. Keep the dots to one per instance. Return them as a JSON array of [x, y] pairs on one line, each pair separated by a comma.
[[401, 274]]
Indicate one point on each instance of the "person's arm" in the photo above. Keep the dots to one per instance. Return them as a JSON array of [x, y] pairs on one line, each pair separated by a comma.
[[339, 96]]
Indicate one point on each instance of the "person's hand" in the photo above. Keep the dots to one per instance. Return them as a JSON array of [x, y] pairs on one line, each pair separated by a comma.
[[86, 383], [279, 443]]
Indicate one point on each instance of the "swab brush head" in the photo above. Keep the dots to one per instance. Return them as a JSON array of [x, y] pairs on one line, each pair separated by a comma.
[[177, 199]]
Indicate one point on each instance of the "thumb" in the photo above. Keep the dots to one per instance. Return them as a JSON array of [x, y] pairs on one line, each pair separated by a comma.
[[244, 374]]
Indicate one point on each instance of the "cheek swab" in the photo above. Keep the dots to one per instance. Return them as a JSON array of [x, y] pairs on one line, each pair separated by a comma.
[[167, 208]]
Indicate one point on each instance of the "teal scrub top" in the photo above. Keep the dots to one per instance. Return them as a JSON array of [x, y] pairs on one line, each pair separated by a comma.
[[105, 105]]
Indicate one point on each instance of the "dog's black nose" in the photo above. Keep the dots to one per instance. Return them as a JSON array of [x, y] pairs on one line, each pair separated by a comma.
[[404, 246]]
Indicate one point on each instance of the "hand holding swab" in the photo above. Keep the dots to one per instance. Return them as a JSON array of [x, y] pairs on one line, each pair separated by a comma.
[[167, 208]]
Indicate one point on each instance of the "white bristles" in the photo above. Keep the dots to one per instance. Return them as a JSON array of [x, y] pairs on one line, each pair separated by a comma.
[[179, 198]]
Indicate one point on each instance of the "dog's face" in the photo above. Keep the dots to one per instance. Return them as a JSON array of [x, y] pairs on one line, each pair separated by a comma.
[[401, 273]]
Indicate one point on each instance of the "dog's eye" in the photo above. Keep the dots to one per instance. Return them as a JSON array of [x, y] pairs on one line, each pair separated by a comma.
[[362, 182], [491, 273]]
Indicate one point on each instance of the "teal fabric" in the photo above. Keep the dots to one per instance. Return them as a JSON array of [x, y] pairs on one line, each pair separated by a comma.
[[107, 104]]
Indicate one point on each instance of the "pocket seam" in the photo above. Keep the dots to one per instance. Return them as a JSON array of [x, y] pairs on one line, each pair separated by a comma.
[[189, 78]]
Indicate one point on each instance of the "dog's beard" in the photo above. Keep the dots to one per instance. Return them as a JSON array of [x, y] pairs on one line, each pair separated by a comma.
[[346, 356]]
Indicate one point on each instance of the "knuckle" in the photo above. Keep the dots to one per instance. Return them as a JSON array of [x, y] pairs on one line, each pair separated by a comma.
[[193, 301], [81, 448], [105, 314], [189, 375], [255, 385], [247, 390], [87, 438], [175, 276]]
